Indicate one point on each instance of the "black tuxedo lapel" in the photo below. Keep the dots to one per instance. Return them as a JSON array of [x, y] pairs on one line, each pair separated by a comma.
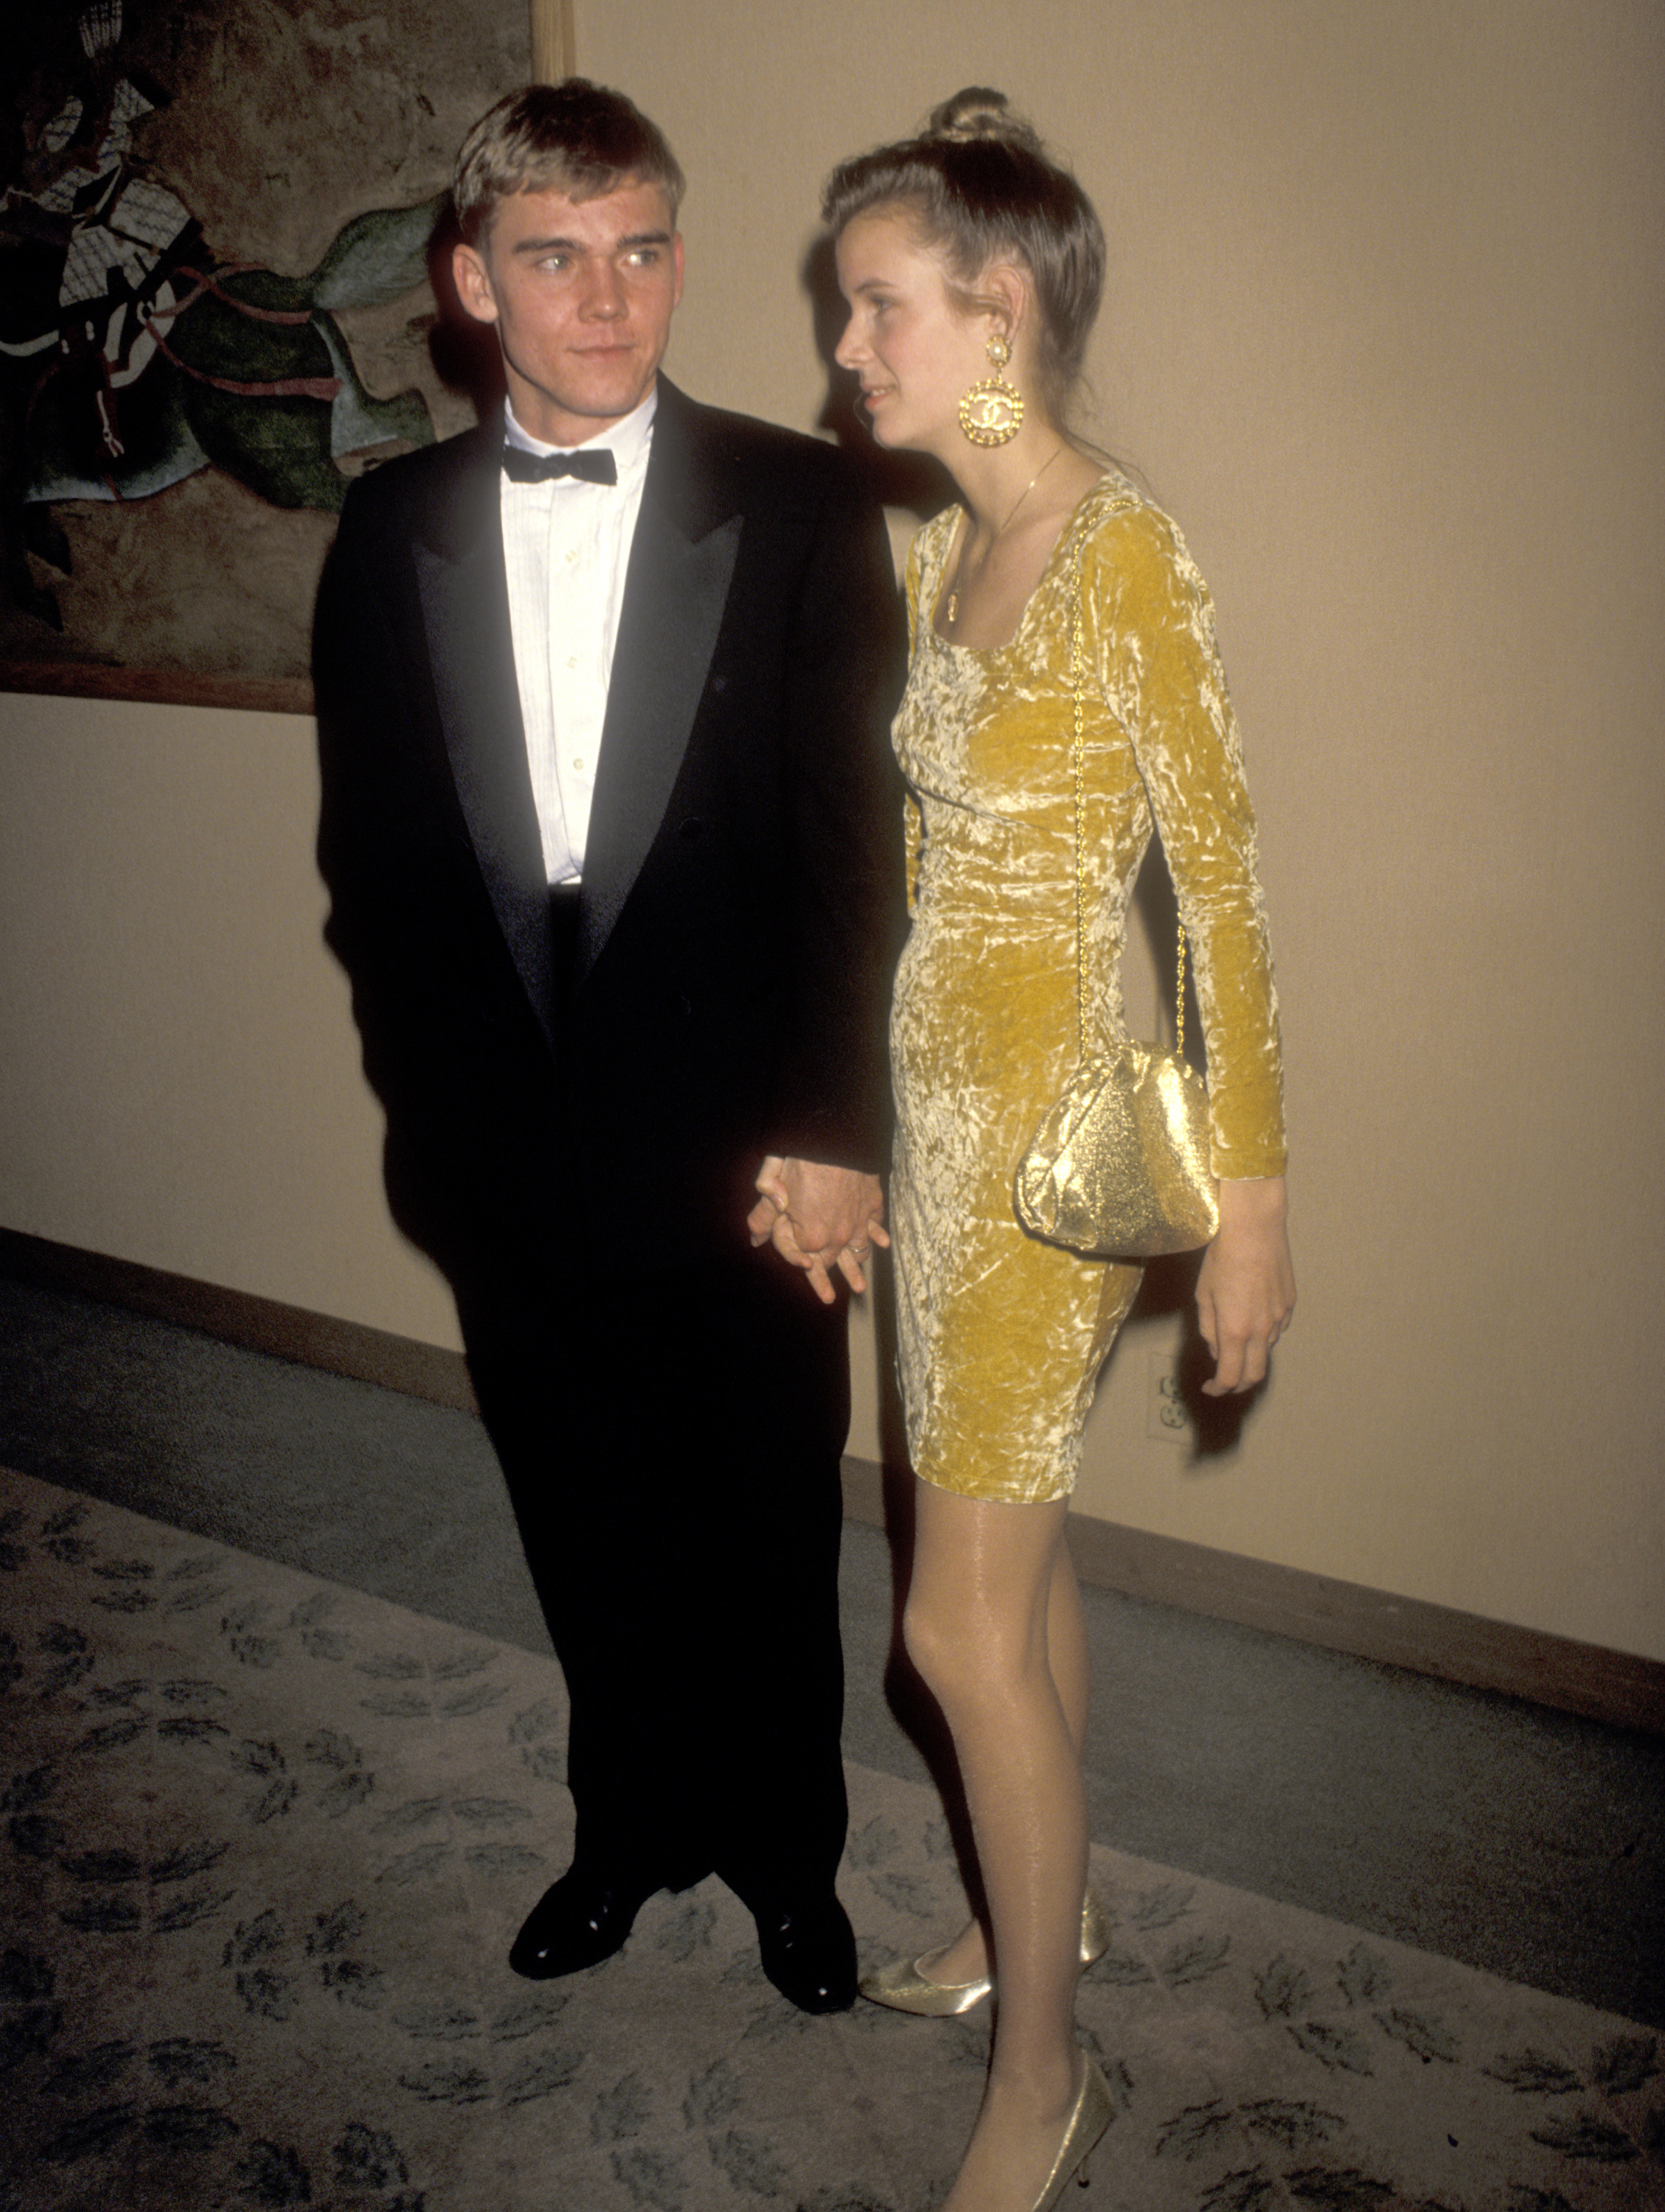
[[676, 587], [464, 602]]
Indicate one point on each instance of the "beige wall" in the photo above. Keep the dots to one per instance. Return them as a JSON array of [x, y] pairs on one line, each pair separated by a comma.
[[1386, 318]]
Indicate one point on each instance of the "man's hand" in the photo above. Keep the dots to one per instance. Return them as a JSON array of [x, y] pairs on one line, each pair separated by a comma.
[[818, 1217], [1246, 1291]]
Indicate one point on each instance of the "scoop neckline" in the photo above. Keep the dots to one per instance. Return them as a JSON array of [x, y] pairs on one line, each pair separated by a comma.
[[949, 644]]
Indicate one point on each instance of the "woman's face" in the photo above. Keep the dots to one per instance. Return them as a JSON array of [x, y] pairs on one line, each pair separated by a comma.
[[913, 347]]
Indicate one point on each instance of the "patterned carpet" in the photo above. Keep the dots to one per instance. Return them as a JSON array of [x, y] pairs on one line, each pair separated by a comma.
[[267, 1839]]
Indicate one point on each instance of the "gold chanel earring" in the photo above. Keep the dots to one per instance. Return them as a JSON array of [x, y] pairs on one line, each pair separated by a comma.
[[992, 412]]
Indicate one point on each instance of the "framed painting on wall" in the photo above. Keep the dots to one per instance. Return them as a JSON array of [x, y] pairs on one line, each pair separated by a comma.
[[217, 227]]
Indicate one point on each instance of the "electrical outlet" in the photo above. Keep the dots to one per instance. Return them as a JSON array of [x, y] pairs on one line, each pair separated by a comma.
[[1165, 1415]]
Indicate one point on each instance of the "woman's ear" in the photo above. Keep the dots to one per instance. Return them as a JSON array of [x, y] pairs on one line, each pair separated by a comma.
[[1004, 292]]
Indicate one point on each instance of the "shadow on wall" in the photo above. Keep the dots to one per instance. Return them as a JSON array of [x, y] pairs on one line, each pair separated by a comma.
[[464, 352]]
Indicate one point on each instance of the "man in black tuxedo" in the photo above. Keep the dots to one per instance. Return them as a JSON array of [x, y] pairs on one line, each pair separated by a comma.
[[611, 837]]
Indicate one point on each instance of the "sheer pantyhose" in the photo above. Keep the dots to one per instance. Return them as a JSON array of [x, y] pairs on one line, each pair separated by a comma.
[[993, 1624]]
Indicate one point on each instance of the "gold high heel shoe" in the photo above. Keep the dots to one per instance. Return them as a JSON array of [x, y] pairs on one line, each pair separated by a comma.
[[905, 1986], [1092, 2114]]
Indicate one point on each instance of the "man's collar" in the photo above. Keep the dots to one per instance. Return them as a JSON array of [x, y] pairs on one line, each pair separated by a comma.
[[628, 440]]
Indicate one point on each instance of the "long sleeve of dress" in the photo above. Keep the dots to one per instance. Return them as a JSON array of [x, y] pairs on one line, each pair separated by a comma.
[[1148, 627]]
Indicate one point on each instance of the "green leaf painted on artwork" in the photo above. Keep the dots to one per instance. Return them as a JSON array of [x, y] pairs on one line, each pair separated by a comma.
[[377, 258]]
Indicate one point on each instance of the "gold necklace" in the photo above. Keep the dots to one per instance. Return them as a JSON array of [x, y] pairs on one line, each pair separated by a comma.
[[952, 612]]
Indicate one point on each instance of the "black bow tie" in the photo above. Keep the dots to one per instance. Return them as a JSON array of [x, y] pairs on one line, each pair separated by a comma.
[[594, 465]]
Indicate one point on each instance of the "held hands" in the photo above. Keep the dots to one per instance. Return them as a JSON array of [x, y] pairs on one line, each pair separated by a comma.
[[818, 1217], [1246, 1291]]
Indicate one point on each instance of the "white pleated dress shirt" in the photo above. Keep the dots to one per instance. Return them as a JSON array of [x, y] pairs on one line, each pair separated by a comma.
[[566, 548]]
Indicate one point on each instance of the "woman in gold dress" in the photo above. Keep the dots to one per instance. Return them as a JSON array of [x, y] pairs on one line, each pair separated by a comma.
[[972, 266]]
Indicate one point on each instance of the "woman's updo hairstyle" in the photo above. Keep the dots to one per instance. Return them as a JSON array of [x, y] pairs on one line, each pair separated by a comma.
[[982, 188]]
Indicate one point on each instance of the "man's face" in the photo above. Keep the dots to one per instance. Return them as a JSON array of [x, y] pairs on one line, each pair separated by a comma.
[[581, 293]]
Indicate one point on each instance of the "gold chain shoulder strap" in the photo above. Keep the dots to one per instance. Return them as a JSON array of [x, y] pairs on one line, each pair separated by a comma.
[[1080, 864]]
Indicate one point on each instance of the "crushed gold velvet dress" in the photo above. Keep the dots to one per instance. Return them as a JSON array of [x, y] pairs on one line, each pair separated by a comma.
[[1002, 1336]]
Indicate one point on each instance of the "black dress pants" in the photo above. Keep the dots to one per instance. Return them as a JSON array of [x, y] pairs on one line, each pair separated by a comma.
[[672, 1447]]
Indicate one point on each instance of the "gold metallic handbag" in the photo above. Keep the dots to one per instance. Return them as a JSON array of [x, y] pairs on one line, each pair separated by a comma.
[[1118, 1167]]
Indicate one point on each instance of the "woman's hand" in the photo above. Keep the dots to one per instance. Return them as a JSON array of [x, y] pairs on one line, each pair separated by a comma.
[[817, 1218], [1246, 1291]]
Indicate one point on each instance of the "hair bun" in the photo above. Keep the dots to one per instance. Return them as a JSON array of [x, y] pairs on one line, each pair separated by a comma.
[[980, 111]]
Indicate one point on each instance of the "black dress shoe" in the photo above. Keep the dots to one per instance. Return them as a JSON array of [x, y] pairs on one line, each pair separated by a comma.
[[808, 1950], [582, 1920]]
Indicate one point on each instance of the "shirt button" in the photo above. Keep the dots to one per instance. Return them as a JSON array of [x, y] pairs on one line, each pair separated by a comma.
[[578, 764], [572, 660]]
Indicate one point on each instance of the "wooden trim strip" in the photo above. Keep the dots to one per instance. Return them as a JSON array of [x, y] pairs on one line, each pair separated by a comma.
[[313, 1340], [159, 687], [1618, 1687]]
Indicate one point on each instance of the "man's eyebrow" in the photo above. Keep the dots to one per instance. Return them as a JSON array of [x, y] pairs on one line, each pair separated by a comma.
[[530, 245]]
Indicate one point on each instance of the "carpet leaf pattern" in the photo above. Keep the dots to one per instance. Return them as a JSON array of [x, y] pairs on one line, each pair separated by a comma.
[[266, 1841]]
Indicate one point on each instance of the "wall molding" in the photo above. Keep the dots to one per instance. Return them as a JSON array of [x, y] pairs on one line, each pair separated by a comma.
[[1618, 1687], [312, 1339], [159, 687]]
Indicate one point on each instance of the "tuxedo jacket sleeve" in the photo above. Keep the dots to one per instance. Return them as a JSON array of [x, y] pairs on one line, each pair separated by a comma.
[[741, 906]]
